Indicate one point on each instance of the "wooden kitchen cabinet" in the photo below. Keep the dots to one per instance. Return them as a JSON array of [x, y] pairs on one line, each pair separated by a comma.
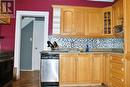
[[107, 18], [81, 69], [107, 70], [117, 10], [95, 22], [67, 68], [79, 21], [126, 4], [75, 69], [97, 68], [67, 21], [117, 71], [72, 21], [127, 71], [75, 21], [84, 63]]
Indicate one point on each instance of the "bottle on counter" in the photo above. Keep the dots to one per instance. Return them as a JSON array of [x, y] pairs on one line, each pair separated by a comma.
[[87, 48]]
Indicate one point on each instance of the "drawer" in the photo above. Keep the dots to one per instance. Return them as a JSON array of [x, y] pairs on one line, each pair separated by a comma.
[[117, 66], [120, 76], [115, 82], [117, 59], [118, 71]]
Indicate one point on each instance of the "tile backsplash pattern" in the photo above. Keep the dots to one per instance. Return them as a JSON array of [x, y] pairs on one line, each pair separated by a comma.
[[67, 42]]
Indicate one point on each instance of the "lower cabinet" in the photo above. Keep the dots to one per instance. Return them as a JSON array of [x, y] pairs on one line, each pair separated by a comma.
[[84, 70], [128, 71], [97, 68], [81, 69], [107, 70], [117, 71], [67, 68]]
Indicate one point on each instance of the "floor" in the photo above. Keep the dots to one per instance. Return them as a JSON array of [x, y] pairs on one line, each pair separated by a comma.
[[30, 79]]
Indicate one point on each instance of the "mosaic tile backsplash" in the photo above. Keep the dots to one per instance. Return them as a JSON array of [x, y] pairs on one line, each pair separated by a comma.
[[68, 42]]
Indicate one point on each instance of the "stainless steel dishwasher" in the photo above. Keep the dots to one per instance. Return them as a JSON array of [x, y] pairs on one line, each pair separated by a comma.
[[49, 69]]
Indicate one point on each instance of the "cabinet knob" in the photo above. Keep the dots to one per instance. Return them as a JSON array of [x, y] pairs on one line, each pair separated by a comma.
[[122, 60], [122, 80], [122, 69]]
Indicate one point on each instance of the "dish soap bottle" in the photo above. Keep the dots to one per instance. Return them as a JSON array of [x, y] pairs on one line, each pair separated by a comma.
[[87, 48]]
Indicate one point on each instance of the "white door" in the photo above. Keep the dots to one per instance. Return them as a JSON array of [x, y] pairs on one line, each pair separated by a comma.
[[38, 42]]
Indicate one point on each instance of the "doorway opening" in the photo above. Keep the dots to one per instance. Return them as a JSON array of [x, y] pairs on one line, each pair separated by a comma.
[[30, 38]]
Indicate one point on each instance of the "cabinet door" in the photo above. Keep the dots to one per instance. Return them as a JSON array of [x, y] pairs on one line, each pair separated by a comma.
[[67, 68], [84, 69], [106, 65], [79, 21], [107, 20], [97, 68], [95, 22], [117, 10], [67, 21]]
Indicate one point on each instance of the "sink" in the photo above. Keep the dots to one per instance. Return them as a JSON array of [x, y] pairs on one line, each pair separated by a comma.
[[74, 51], [60, 50]]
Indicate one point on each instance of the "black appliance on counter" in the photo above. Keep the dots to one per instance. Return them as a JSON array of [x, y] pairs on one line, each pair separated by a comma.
[[49, 70]]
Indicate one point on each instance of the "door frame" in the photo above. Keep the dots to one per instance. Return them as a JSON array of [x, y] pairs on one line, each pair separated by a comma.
[[19, 15]]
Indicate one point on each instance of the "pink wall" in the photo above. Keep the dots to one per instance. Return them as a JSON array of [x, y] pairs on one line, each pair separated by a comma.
[[8, 31]]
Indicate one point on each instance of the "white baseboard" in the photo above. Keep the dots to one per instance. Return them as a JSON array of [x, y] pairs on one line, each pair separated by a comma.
[[25, 70]]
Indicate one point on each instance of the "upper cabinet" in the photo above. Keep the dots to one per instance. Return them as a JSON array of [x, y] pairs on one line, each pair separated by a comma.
[[77, 21], [67, 21], [107, 17], [94, 22], [117, 10], [72, 21], [87, 21]]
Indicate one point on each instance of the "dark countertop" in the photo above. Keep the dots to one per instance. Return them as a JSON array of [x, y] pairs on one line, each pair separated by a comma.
[[6, 55]]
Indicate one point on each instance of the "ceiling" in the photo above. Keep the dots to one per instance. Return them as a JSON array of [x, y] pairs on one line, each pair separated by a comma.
[[103, 0]]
